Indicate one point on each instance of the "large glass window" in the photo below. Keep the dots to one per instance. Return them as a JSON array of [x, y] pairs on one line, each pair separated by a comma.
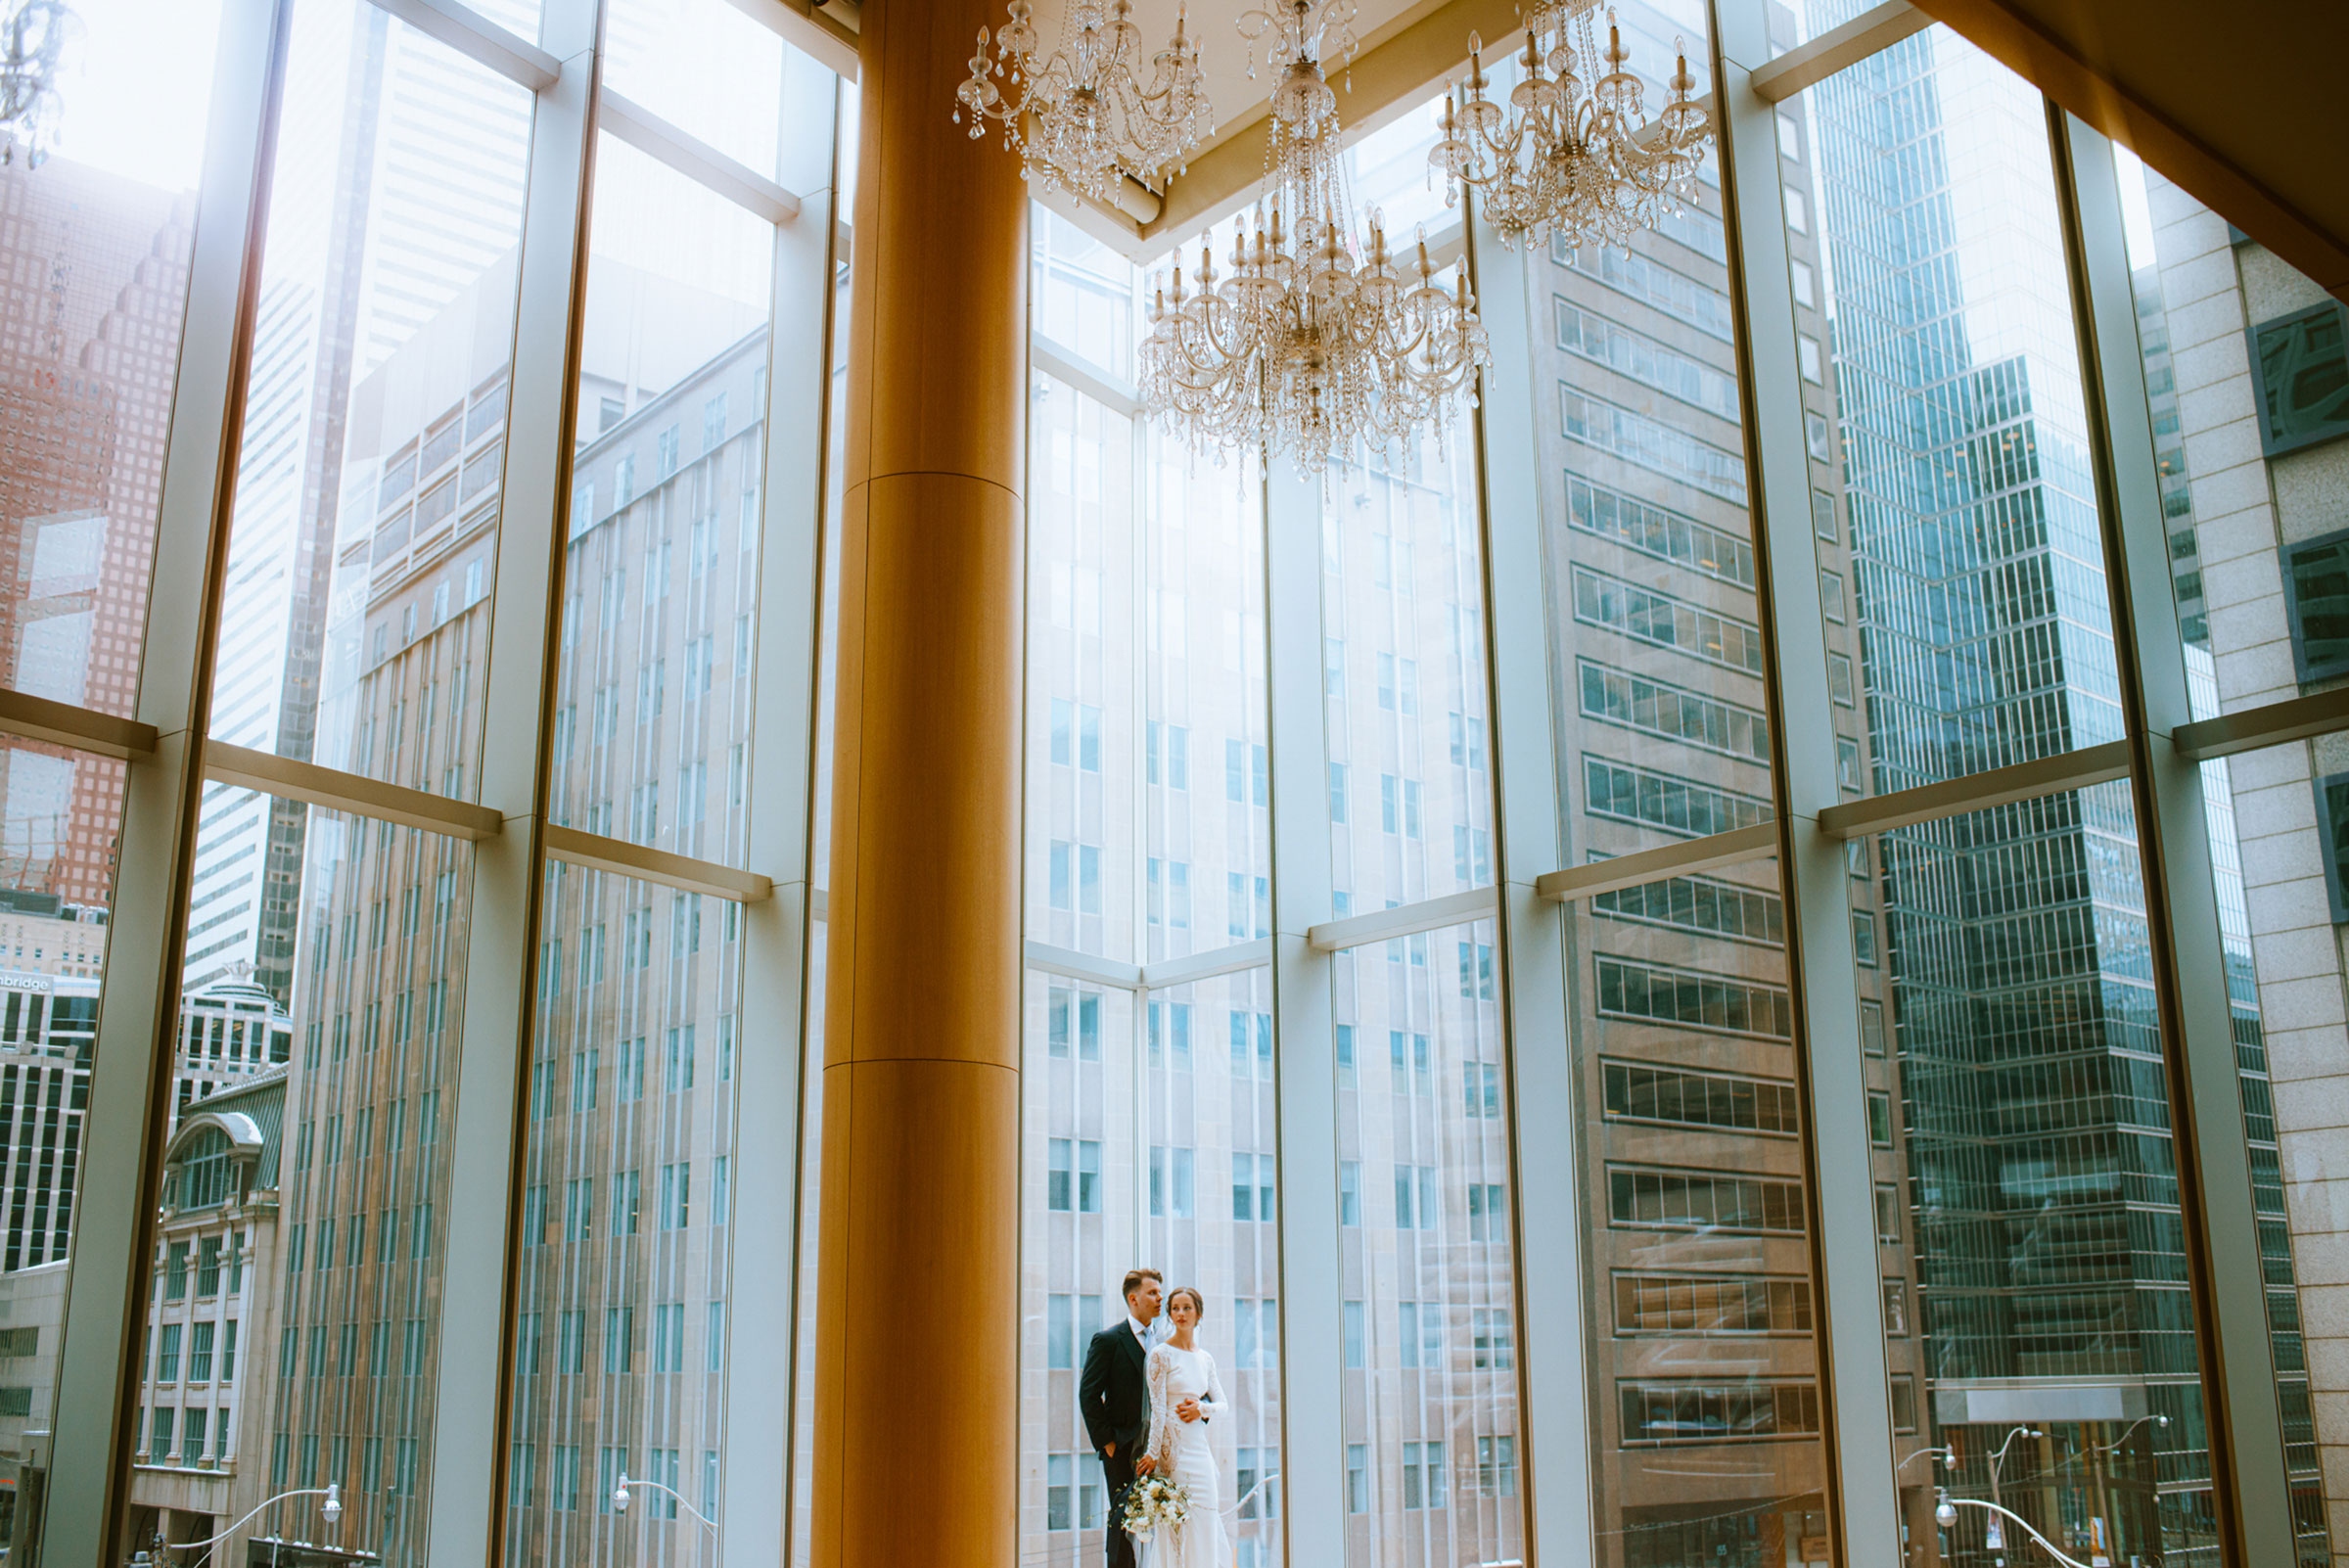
[[1426, 1217], [368, 486], [96, 247], [307, 1174], [628, 1194], [2256, 569], [1708, 1424], [2031, 1221], [1960, 556], [52, 964], [653, 671]]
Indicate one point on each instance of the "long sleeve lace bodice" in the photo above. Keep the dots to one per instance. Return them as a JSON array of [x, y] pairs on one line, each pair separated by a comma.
[[1164, 1371], [1161, 1373]]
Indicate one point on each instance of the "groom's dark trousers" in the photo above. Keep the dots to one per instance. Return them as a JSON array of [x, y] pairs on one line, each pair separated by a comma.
[[1114, 1394]]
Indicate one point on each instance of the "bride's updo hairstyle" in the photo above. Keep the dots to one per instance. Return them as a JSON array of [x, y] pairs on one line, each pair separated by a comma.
[[1198, 1302]]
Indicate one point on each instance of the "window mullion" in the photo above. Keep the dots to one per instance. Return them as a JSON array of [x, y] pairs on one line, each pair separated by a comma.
[[1855, 1391], [1313, 1443], [469, 1413], [762, 1258], [1557, 1419]]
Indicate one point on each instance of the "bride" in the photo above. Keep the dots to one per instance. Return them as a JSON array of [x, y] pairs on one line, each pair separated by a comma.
[[1184, 1393]]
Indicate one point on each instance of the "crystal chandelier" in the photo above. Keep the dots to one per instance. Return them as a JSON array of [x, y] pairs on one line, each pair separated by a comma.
[[1082, 118], [32, 41], [1315, 338], [1570, 155]]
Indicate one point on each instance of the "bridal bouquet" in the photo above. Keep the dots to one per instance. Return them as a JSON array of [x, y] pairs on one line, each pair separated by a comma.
[[1154, 1503]]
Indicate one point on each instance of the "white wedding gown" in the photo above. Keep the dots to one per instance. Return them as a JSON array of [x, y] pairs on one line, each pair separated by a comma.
[[1186, 1456]]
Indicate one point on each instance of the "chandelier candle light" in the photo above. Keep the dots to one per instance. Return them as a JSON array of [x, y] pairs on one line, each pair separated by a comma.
[[1574, 155], [1314, 339], [1082, 118]]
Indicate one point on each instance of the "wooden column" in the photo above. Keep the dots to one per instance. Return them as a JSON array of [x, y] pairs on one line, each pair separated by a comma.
[[916, 1396]]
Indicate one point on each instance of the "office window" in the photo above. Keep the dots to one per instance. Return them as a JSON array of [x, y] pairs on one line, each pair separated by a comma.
[[2302, 364]]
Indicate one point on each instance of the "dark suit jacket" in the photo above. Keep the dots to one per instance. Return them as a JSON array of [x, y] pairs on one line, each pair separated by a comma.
[[1114, 1392]]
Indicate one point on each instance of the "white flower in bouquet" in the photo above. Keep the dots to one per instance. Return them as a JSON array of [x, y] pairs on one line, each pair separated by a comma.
[[1155, 1502]]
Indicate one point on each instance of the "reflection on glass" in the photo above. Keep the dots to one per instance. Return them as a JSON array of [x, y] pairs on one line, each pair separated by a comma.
[[2034, 1235], [1410, 788], [1701, 1263], [368, 483], [653, 675], [294, 1309], [623, 1308], [105, 225], [52, 962], [1429, 1315], [1082, 740], [1959, 454], [2256, 566]]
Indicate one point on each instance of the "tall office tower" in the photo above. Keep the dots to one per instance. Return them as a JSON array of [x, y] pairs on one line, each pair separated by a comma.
[[2054, 1309], [96, 268], [398, 196], [2244, 362]]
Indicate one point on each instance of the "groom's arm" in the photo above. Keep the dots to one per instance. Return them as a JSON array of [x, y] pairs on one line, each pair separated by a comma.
[[1092, 1394]]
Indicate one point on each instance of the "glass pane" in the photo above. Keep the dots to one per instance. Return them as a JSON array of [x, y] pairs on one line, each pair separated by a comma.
[[1424, 1209], [1661, 712], [653, 676], [1406, 725], [304, 1206], [1209, 1191], [622, 1312], [1704, 1325], [1205, 747], [1084, 299], [2028, 1203], [1078, 1095], [2254, 532], [1084, 884], [1955, 505], [99, 233], [59, 815], [361, 551], [707, 67]]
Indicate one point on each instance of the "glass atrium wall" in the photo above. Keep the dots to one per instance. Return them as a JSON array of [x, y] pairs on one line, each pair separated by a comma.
[[1746, 941]]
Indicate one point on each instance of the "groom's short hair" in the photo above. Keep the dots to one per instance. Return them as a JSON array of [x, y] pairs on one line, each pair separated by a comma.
[[1134, 1278]]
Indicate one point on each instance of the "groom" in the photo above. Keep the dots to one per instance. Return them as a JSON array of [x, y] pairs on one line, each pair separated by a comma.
[[1114, 1396]]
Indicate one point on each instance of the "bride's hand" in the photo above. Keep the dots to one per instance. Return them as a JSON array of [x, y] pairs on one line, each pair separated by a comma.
[[1147, 1464]]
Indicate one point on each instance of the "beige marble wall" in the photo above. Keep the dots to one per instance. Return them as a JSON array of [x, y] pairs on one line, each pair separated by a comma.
[[2245, 507]]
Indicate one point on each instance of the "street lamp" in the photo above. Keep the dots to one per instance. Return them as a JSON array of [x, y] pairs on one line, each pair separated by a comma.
[[1994, 1536], [331, 1512], [1945, 1514], [620, 1499]]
